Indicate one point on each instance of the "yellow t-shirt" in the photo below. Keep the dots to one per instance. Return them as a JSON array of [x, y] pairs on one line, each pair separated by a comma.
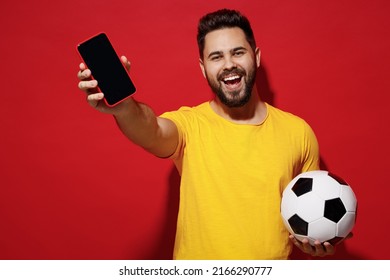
[[232, 178]]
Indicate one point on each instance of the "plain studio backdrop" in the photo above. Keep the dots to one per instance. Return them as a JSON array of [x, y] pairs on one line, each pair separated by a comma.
[[73, 187]]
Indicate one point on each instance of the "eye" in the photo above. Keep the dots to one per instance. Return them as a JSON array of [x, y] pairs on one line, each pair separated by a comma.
[[239, 53], [215, 57]]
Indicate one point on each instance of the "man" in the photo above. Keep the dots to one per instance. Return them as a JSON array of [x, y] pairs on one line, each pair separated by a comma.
[[235, 154]]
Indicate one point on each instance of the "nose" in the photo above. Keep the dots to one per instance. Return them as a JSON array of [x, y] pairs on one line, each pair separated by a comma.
[[229, 63]]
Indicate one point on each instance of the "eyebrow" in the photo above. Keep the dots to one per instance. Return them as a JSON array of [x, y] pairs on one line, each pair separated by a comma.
[[231, 51]]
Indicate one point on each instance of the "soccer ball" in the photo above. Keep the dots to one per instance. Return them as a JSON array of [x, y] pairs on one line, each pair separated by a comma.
[[318, 205]]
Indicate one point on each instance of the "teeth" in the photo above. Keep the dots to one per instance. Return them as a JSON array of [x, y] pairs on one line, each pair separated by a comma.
[[231, 78]]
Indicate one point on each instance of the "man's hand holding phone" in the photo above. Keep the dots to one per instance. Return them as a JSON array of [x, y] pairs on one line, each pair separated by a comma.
[[89, 85]]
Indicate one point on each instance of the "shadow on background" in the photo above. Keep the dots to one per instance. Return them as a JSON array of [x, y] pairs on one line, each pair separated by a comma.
[[263, 86], [164, 246]]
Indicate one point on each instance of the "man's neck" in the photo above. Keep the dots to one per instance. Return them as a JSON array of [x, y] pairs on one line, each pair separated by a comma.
[[253, 112]]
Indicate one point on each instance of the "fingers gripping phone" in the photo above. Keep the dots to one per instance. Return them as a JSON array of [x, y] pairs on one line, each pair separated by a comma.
[[106, 67]]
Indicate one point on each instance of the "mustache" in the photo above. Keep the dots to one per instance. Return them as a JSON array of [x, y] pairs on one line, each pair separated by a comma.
[[227, 72]]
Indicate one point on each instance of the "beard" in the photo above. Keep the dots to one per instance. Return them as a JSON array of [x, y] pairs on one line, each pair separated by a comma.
[[235, 98]]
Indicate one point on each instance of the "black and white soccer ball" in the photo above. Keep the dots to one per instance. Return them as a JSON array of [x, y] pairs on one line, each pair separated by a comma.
[[318, 205]]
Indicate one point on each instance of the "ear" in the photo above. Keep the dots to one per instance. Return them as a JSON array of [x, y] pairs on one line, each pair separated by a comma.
[[201, 64], [257, 55]]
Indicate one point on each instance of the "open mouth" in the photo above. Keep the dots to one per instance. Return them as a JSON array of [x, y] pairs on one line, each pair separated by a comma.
[[232, 79]]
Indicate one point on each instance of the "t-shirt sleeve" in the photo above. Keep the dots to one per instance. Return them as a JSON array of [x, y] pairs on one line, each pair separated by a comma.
[[311, 155], [181, 118]]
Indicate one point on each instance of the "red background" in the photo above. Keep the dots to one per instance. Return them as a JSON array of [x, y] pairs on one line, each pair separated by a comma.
[[72, 187]]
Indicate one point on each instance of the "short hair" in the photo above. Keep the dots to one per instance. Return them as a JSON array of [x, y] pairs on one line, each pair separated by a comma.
[[221, 19]]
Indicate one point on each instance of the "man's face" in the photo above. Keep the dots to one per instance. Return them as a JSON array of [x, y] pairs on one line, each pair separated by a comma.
[[229, 65]]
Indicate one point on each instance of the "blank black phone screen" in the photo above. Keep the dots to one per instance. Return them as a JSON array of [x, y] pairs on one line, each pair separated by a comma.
[[106, 67]]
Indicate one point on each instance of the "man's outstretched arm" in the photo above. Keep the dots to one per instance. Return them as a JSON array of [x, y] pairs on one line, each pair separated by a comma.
[[136, 120]]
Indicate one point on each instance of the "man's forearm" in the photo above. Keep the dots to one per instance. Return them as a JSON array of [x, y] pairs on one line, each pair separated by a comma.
[[138, 122]]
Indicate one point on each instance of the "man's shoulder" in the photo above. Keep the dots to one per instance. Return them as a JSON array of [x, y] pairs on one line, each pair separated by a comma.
[[189, 110], [202, 107], [285, 117], [282, 112]]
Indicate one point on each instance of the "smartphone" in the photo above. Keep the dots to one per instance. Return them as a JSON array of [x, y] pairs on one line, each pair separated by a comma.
[[107, 68]]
